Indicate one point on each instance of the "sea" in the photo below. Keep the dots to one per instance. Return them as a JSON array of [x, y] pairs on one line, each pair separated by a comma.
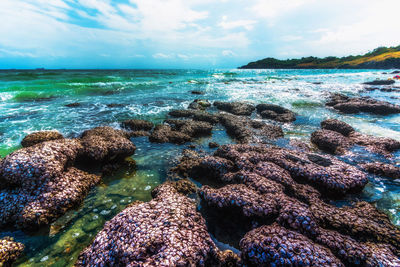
[[34, 100]]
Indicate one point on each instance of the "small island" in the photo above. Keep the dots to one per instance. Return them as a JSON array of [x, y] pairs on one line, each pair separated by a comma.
[[379, 58]]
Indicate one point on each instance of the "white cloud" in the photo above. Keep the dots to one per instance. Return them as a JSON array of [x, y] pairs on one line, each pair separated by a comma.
[[228, 25], [228, 53], [162, 56], [272, 9]]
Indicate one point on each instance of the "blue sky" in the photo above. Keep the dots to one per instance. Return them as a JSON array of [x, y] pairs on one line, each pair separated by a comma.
[[188, 33]]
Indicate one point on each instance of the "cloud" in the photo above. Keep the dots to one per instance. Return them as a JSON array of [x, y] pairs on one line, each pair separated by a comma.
[[272, 9], [162, 56], [228, 25], [228, 53]]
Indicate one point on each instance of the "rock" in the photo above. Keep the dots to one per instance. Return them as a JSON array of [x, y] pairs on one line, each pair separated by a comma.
[[330, 141], [39, 137], [105, 144], [275, 112], [361, 104], [115, 105], [191, 127], [380, 82], [138, 125], [199, 104], [236, 108], [213, 145], [195, 115], [9, 251], [73, 105], [382, 169], [138, 133], [195, 92], [181, 113], [164, 134], [337, 126], [167, 231], [236, 127], [41, 185], [276, 246], [395, 72], [334, 141]]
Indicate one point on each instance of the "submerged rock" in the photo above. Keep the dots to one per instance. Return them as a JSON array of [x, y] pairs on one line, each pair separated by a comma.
[[236, 108], [138, 125], [276, 113], [167, 231], [73, 105], [380, 82], [341, 137], [362, 104], [196, 115], [9, 251], [39, 137], [164, 133], [199, 104]]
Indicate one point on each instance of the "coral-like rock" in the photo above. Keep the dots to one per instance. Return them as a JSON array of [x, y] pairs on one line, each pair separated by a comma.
[[337, 126], [362, 104], [236, 108], [138, 125], [9, 250], [276, 113], [167, 231], [330, 141], [382, 169], [274, 245], [39, 137], [106, 143]]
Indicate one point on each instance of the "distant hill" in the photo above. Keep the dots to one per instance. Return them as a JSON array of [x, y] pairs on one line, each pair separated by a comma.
[[379, 58]]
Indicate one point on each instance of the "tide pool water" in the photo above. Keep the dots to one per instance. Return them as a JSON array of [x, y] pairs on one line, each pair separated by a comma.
[[36, 100]]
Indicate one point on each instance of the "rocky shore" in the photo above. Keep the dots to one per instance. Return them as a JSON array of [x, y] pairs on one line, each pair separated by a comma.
[[280, 199]]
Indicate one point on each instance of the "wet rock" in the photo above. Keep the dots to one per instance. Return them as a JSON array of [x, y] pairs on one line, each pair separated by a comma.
[[380, 82], [40, 183], [236, 108], [276, 113], [138, 133], [191, 127], [362, 221], [195, 115], [213, 145], [199, 104], [395, 72], [196, 92], [337, 126], [138, 125], [334, 141], [39, 137], [9, 251], [73, 105], [163, 133], [382, 169], [330, 141], [167, 231], [105, 144], [181, 113], [275, 245], [115, 105], [240, 197], [362, 104]]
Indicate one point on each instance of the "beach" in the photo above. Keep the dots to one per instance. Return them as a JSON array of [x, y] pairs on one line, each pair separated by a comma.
[[74, 101]]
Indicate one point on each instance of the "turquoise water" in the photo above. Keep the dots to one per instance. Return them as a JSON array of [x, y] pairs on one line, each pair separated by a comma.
[[35, 100]]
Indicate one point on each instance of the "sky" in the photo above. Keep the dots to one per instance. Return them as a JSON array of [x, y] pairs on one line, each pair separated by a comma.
[[188, 33]]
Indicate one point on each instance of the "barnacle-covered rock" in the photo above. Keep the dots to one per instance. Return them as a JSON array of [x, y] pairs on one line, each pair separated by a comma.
[[273, 245], [167, 231], [338, 137], [382, 169], [357, 253], [337, 126], [138, 125], [330, 141], [236, 108], [362, 220], [39, 137], [362, 104], [9, 250], [40, 184], [276, 113], [191, 127], [163, 133], [240, 197], [105, 144], [199, 104]]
